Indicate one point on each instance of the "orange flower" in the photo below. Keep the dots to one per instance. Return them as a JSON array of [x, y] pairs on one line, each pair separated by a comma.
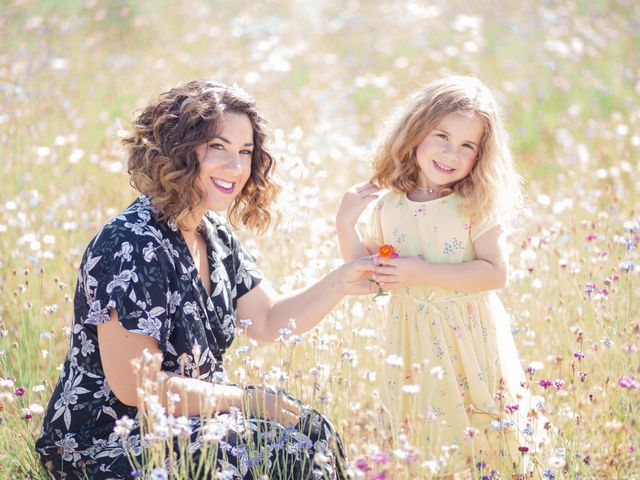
[[388, 251]]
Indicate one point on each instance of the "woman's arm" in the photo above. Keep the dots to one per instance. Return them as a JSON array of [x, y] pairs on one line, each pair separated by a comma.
[[352, 205], [487, 272], [269, 312], [119, 347]]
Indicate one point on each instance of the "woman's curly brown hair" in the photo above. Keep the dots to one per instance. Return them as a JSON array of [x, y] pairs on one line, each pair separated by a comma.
[[163, 163]]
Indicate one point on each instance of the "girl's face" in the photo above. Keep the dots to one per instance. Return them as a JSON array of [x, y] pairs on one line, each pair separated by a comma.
[[448, 152], [225, 162]]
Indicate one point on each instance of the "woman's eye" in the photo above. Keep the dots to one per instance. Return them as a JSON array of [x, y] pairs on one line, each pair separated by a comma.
[[466, 145], [246, 152], [216, 146], [441, 135]]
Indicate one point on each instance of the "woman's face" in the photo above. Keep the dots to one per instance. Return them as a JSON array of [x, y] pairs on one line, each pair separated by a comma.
[[225, 161]]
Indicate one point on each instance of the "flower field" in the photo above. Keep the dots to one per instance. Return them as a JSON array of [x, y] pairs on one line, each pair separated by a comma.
[[326, 74]]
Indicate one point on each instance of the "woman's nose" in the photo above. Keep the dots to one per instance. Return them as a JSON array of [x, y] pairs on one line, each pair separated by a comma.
[[233, 163]]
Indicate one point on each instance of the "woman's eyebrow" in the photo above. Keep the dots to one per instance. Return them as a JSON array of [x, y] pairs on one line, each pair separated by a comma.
[[249, 144]]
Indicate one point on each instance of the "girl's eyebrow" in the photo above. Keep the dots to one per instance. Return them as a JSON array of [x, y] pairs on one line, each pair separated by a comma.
[[444, 131], [250, 144]]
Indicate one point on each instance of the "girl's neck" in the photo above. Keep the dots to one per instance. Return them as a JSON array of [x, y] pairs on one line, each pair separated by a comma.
[[424, 192]]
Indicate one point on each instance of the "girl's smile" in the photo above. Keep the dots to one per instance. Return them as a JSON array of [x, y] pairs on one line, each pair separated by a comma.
[[448, 152]]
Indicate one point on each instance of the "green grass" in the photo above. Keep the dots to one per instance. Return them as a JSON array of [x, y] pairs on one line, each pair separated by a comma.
[[115, 57]]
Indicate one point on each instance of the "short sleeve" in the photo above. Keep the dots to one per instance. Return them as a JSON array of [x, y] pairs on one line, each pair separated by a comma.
[[247, 273], [123, 271], [481, 226], [373, 231]]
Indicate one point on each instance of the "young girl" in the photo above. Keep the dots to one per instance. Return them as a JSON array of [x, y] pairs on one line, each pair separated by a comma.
[[453, 192]]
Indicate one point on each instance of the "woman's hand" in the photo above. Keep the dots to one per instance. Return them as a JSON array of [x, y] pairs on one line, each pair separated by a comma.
[[269, 404], [354, 276], [354, 201], [400, 271]]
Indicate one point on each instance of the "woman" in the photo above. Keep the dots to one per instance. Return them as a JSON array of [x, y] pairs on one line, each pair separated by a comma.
[[169, 276]]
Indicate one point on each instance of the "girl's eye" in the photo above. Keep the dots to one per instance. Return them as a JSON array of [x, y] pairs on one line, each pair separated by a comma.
[[216, 146], [441, 135], [246, 152], [466, 145]]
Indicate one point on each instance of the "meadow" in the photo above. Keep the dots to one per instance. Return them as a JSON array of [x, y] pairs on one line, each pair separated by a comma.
[[326, 74]]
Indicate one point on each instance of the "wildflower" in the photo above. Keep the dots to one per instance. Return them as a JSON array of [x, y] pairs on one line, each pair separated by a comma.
[[395, 360], [388, 251], [411, 389], [380, 458], [123, 426], [606, 341], [135, 473], [628, 381], [628, 266], [245, 322], [558, 383], [159, 474], [512, 407], [579, 355], [534, 367], [583, 376], [471, 432], [26, 414], [589, 288], [362, 465], [548, 474], [523, 449], [437, 372], [36, 409], [379, 476], [557, 462], [214, 431], [6, 382], [544, 383], [19, 392]]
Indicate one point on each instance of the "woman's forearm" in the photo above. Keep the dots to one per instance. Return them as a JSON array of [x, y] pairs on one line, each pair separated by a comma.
[[199, 398], [307, 306]]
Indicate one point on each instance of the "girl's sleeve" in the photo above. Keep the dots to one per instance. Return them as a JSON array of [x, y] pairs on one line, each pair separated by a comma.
[[125, 273], [374, 225], [480, 227]]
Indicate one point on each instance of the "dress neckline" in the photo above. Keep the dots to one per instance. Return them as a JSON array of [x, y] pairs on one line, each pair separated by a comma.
[[423, 202]]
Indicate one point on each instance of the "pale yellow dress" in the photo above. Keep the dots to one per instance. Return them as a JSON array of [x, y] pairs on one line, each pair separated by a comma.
[[449, 354]]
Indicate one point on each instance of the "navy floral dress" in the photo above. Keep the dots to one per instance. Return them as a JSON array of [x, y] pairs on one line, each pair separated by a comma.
[[141, 267]]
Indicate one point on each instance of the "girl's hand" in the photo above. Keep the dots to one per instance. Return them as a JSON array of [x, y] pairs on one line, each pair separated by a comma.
[[354, 277], [354, 201], [400, 271], [269, 404]]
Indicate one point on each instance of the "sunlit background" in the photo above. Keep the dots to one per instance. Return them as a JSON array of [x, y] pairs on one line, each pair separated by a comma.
[[327, 74]]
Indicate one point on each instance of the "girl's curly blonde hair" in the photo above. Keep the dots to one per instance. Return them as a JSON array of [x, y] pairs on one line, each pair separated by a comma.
[[163, 163], [492, 190]]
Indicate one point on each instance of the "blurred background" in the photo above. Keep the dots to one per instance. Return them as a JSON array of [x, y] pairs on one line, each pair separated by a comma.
[[327, 73]]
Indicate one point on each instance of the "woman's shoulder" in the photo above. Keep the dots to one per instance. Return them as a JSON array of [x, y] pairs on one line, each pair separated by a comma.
[[135, 226]]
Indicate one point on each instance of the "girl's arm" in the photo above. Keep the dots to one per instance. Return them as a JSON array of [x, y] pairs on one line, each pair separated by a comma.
[[119, 347], [269, 312], [487, 272], [354, 201]]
